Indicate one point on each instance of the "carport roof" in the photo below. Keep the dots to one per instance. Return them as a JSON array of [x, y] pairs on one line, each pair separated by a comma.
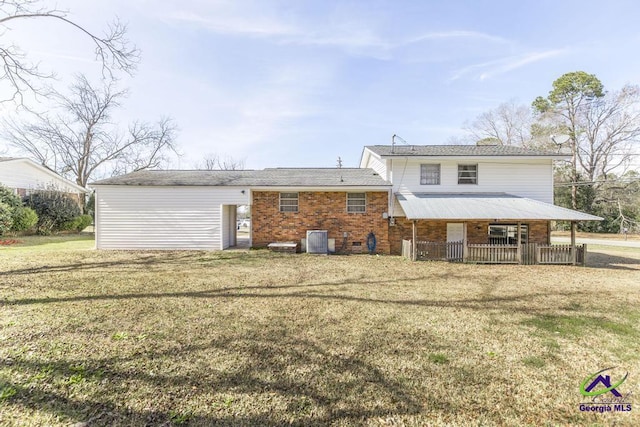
[[274, 177], [484, 206]]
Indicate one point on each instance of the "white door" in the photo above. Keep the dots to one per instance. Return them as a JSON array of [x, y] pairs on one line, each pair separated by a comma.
[[455, 233], [229, 227]]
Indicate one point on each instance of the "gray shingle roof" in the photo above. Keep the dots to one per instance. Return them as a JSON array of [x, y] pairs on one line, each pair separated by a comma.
[[458, 150], [278, 177]]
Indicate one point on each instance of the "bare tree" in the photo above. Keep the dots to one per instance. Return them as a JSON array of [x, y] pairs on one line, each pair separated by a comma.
[[216, 162], [570, 97], [112, 49], [79, 140], [610, 128], [508, 124]]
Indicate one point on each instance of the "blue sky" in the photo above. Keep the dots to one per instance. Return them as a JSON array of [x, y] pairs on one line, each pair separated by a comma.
[[299, 83]]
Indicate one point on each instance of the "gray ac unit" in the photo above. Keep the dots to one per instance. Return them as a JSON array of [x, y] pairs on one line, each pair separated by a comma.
[[317, 242]]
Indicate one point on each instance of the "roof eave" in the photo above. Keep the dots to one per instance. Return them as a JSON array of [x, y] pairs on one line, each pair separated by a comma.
[[466, 156], [321, 188]]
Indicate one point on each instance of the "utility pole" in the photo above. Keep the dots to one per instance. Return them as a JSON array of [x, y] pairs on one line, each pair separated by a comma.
[[574, 172]]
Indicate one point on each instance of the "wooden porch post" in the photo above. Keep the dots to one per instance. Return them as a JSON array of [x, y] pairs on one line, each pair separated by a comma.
[[519, 242], [464, 242], [573, 242], [414, 244]]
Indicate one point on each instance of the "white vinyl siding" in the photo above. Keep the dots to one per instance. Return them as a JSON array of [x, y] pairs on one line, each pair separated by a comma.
[[429, 174], [182, 217], [356, 202], [531, 178], [21, 173], [377, 164]]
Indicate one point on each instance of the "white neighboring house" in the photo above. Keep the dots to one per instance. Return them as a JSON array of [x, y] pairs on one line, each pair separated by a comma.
[[23, 175]]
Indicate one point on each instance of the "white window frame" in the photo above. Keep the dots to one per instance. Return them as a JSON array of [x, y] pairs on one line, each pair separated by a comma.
[[360, 206], [289, 207], [475, 178], [424, 173]]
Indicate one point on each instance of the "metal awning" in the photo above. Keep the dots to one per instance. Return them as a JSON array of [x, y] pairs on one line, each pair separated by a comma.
[[484, 206]]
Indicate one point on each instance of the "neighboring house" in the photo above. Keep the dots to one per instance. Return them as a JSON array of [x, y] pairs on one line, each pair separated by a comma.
[[470, 194], [24, 176]]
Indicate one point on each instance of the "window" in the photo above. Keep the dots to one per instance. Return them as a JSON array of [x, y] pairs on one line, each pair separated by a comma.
[[505, 234], [356, 202], [467, 174], [288, 202], [430, 174]]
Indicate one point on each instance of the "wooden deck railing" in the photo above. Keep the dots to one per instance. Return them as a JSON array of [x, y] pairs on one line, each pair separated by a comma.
[[560, 254], [493, 254], [531, 253], [434, 251]]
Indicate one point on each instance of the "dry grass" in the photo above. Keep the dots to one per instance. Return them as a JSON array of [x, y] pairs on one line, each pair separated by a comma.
[[199, 338]]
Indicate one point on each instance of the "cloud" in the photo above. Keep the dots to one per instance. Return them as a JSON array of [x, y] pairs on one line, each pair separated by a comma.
[[490, 69], [232, 24], [457, 34], [360, 37]]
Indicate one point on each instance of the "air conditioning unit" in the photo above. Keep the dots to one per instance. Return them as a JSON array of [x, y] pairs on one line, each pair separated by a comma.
[[317, 242]]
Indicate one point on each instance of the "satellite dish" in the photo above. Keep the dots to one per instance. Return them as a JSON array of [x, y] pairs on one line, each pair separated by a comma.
[[560, 139]]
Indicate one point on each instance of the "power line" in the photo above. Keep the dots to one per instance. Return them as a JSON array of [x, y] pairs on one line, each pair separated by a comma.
[[608, 181]]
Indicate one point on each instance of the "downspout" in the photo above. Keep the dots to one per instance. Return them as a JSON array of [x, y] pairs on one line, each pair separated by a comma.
[[414, 243], [573, 242], [391, 192], [250, 204]]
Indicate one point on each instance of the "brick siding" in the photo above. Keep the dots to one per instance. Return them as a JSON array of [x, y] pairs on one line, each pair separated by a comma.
[[328, 211], [320, 211]]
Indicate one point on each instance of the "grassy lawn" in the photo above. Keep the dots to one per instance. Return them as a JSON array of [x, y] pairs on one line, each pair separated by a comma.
[[254, 338]]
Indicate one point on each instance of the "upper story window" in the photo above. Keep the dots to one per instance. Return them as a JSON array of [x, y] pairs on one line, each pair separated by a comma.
[[430, 174], [288, 202], [356, 202], [467, 174]]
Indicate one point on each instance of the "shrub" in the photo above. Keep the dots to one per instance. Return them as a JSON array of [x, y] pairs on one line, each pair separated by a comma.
[[6, 217], [24, 219], [54, 209], [78, 223], [9, 197], [90, 206]]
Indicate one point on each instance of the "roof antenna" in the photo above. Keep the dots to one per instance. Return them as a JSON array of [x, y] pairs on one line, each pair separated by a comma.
[[339, 165], [393, 143]]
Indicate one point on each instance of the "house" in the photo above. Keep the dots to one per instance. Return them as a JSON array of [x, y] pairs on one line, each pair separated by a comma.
[[477, 195], [23, 175], [197, 209], [464, 195]]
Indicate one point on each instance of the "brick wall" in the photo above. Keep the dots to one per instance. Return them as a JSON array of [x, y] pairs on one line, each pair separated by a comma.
[[477, 232], [319, 211]]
